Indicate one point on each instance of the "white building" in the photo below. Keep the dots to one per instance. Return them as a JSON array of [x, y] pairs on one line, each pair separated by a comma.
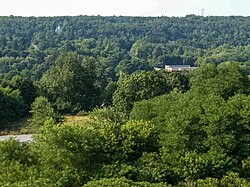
[[58, 29], [172, 68]]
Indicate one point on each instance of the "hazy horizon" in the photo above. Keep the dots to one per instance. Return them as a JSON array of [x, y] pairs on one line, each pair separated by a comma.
[[153, 8]]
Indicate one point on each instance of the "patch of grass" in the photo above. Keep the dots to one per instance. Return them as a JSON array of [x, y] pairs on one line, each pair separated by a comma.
[[23, 126], [76, 120]]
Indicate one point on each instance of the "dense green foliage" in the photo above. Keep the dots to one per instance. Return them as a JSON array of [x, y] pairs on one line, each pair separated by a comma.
[[75, 62], [11, 105], [120, 43], [71, 85], [196, 138], [226, 79], [145, 85], [205, 131], [146, 128], [42, 110]]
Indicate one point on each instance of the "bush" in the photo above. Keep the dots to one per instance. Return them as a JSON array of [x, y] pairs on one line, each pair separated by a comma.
[[42, 110]]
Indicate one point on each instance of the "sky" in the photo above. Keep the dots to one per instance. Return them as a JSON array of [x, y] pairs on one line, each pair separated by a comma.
[[177, 8]]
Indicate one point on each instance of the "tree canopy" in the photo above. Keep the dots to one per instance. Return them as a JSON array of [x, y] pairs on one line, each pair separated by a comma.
[[142, 127], [71, 85], [145, 85]]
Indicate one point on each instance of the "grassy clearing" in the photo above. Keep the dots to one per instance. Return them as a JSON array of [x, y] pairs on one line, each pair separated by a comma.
[[23, 126], [75, 120]]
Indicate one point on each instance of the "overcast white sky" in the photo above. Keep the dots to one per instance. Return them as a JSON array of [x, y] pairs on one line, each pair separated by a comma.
[[124, 7]]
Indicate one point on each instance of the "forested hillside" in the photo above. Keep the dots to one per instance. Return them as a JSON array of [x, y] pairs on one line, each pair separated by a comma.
[[120, 43], [29, 46], [144, 127]]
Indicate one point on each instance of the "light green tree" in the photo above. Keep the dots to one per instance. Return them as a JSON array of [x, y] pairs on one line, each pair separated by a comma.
[[42, 110]]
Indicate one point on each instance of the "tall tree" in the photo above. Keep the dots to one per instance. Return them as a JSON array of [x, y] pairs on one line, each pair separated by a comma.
[[145, 85], [226, 79], [71, 85], [26, 87]]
